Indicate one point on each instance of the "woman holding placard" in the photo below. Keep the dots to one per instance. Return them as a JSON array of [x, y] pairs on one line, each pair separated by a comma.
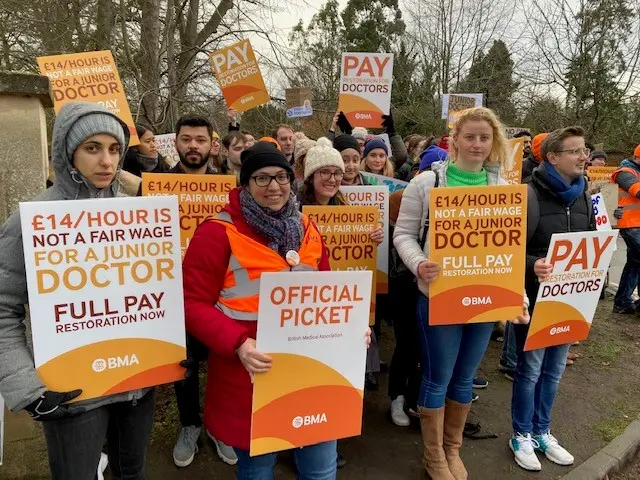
[[260, 230], [451, 353]]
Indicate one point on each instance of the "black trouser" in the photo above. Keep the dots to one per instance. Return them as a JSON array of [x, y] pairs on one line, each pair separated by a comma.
[[404, 372], [188, 390], [74, 443]]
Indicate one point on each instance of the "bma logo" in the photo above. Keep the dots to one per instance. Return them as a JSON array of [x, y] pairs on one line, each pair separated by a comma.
[[100, 364], [558, 330], [309, 420], [469, 301], [363, 116]]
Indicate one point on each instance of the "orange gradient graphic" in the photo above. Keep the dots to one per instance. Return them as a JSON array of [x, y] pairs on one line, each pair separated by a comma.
[[360, 111], [555, 323], [109, 367]]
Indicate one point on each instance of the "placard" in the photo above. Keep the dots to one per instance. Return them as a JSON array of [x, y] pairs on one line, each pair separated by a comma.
[[88, 77], [600, 212], [346, 233], [512, 172], [166, 145], [313, 326], [567, 300], [477, 236], [199, 197], [365, 88], [104, 279], [392, 184], [379, 197], [457, 104], [298, 102], [445, 102], [597, 174], [238, 74], [510, 132]]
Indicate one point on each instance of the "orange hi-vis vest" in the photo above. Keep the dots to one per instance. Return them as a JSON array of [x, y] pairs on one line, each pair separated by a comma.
[[239, 297], [628, 202]]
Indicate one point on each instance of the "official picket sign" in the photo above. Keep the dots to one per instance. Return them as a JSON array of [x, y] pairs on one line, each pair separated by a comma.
[[512, 172], [478, 237], [379, 197], [239, 76], [166, 145], [88, 77], [392, 184], [346, 233], [365, 87], [312, 325], [199, 197], [567, 300], [104, 280]]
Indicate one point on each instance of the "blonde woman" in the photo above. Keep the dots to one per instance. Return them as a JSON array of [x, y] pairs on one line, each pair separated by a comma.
[[375, 158], [450, 354]]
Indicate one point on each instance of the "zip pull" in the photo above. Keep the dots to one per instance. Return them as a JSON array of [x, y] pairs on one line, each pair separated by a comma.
[[134, 402]]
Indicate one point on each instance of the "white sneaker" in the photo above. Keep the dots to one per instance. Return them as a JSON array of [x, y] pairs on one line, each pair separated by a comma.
[[522, 447], [548, 444], [102, 466], [226, 453], [397, 412]]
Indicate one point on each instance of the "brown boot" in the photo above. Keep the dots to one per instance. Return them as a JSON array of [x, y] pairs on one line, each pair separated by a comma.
[[455, 416], [432, 426]]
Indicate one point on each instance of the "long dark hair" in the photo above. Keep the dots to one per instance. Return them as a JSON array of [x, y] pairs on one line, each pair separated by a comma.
[[307, 194]]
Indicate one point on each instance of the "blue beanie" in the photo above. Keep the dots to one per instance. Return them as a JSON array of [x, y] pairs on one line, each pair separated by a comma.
[[430, 155], [375, 143]]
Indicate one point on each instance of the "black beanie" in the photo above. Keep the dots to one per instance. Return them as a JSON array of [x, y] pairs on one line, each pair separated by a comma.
[[262, 154], [344, 141]]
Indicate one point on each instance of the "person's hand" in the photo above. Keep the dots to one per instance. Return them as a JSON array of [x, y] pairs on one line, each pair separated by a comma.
[[232, 115], [253, 360], [334, 122], [542, 269], [343, 123], [428, 271], [388, 124], [51, 405], [367, 337], [523, 319], [377, 235], [618, 213], [190, 365]]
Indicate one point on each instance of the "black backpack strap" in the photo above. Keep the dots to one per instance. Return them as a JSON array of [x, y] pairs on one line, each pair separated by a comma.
[[425, 230], [533, 212]]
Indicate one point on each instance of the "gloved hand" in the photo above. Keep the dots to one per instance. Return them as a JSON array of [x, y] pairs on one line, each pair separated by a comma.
[[388, 124], [344, 125], [618, 213], [191, 365], [51, 405]]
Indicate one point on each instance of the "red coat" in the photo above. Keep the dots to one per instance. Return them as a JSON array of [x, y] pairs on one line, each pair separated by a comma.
[[227, 412]]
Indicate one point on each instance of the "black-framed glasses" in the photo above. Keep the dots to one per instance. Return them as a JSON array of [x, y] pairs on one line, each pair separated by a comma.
[[265, 180], [326, 175], [577, 152]]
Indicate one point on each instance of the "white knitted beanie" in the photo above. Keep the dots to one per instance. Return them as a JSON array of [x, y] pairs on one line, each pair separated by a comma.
[[360, 133], [322, 155]]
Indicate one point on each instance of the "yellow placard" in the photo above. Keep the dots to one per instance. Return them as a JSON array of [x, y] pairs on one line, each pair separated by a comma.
[[238, 74], [346, 234], [512, 172], [597, 174], [457, 104], [477, 236], [88, 77], [199, 197]]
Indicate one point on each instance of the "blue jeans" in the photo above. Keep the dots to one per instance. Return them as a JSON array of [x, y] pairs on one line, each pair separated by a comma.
[[538, 374], [315, 462], [630, 278], [450, 357], [508, 357]]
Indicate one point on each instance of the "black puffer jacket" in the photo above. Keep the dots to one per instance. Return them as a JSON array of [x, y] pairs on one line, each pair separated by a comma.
[[546, 215], [131, 164]]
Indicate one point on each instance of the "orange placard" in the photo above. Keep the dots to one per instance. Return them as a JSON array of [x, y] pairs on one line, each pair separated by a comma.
[[512, 172], [597, 174], [345, 231], [477, 236], [199, 197], [238, 74], [88, 77]]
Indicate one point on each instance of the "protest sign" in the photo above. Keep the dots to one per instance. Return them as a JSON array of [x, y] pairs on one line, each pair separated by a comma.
[[512, 172], [345, 231], [166, 145], [238, 74], [379, 197], [457, 104], [104, 280], [600, 212], [365, 88], [478, 237], [567, 300], [88, 77], [312, 324], [298, 102], [597, 174], [199, 197], [392, 184], [445, 101], [510, 132]]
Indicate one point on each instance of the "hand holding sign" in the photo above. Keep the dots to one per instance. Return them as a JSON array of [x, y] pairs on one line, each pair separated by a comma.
[[542, 269], [428, 271], [523, 319], [51, 405], [252, 359]]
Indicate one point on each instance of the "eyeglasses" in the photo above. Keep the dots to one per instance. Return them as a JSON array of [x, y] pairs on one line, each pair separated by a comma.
[[576, 152], [265, 180], [326, 175]]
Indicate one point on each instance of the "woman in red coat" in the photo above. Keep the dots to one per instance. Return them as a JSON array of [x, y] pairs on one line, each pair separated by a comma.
[[259, 230]]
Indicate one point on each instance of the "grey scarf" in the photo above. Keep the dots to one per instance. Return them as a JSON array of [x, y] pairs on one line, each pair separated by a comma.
[[147, 164]]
